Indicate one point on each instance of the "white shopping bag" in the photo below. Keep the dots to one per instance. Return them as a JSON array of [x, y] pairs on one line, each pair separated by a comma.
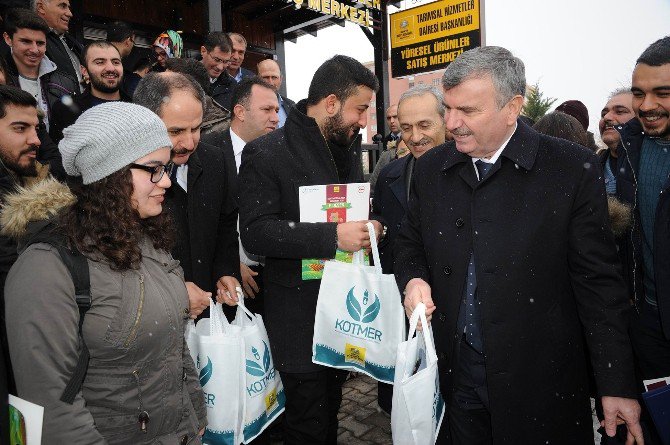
[[418, 407], [191, 336], [359, 317], [220, 363], [263, 392]]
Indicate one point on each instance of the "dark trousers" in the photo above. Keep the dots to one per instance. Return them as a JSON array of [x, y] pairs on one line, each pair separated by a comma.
[[652, 354], [468, 412], [312, 403]]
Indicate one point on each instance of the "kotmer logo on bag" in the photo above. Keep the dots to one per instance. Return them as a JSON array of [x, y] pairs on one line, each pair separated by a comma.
[[205, 375], [266, 372], [363, 312]]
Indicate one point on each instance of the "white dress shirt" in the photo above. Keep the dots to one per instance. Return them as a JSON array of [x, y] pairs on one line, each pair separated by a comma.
[[238, 146]]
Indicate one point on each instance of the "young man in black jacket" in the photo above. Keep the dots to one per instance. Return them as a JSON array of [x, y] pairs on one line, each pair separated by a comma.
[[320, 144]]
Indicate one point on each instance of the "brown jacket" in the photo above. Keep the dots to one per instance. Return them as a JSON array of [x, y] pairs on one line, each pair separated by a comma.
[[134, 331]]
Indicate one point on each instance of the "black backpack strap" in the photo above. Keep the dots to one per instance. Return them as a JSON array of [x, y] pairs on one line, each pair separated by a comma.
[[77, 264]]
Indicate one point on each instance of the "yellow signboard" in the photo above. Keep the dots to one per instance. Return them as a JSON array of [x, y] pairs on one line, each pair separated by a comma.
[[429, 37], [359, 14]]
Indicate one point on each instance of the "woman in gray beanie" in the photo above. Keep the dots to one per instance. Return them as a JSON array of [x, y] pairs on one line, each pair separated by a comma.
[[141, 386]]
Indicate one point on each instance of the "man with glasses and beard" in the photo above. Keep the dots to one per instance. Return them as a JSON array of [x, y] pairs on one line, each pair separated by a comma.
[[319, 144], [18, 151], [104, 70]]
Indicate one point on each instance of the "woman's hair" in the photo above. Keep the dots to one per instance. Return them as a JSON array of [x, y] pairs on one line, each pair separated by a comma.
[[564, 126], [103, 220]]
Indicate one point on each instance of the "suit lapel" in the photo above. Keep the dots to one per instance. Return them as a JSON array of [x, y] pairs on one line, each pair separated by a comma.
[[399, 185], [193, 199]]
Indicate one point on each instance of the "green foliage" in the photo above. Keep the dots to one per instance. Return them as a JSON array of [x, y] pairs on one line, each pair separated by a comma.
[[536, 104]]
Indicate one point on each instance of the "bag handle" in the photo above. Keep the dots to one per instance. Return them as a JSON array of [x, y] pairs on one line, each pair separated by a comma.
[[241, 305], [419, 314], [359, 256], [218, 323]]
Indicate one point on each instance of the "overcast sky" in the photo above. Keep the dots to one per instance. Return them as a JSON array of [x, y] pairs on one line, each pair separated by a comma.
[[575, 49]]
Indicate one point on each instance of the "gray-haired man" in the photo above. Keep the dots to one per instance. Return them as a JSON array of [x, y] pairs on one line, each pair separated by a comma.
[[507, 243]]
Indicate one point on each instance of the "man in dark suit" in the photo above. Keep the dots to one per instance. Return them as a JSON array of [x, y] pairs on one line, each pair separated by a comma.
[[420, 112], [320, 144], [62, 48], [507, 242], [215, 57], [269, 71], [201, 197], [255, 109]]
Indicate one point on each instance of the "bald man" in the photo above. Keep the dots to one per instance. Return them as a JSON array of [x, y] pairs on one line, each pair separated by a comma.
[[270, 72]]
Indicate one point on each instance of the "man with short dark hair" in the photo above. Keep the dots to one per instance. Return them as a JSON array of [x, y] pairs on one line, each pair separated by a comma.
[[269, 71], [201, 198], [216, 118], [62, 48], [27, 66], [216, 52], [506, 242], [320, 144], [617, 111], [122, 36], [235, 69], [103, 67], [18, 149], [643, 178], [255, 113]]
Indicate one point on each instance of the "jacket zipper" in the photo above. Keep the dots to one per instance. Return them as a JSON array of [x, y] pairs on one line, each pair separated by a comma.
[[133, 331], [332, 159], [632, 231]]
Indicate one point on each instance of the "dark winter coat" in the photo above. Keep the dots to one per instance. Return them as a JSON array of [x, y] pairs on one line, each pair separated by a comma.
[[212, 217], [57, 53], [54, 84], [65, 115], [632, 136], [548, 275], [222, 90], [390, 205], [273, 167]]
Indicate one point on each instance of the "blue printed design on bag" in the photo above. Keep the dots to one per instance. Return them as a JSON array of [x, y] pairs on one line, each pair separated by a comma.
[[205, 373], [256, 426], [256, 369], [326, 355], [356, 310]]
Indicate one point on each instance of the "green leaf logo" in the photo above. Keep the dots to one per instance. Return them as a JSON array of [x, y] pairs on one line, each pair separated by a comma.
[[206, 373], [267, 360], [372, 311], [356, 311], [353, 306]]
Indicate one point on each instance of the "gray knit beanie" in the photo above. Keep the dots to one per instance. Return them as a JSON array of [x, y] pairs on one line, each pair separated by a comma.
[[109, 136]]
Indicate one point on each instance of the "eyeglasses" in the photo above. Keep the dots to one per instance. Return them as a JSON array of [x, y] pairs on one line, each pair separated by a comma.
[[217, 60], [157, 171]]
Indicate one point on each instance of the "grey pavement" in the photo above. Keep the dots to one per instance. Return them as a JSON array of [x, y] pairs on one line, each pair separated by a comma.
[[361, 419]]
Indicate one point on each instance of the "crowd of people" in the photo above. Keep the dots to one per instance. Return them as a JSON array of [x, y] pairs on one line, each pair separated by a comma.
[[134, 198]]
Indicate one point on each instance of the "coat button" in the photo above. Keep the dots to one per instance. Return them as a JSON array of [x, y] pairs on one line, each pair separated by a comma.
[[443, 317], [460, 222], [446, 270], [184, 440], [398, 226]]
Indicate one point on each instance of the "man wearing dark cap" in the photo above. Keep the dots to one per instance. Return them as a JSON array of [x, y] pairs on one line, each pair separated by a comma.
[[577, 109]]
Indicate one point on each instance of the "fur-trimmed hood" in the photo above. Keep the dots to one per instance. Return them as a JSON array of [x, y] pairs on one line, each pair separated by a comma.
[[620, 213], [33, 206]]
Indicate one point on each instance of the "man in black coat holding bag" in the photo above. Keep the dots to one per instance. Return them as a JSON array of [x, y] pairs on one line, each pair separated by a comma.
[[507, 242], [320, 144]]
